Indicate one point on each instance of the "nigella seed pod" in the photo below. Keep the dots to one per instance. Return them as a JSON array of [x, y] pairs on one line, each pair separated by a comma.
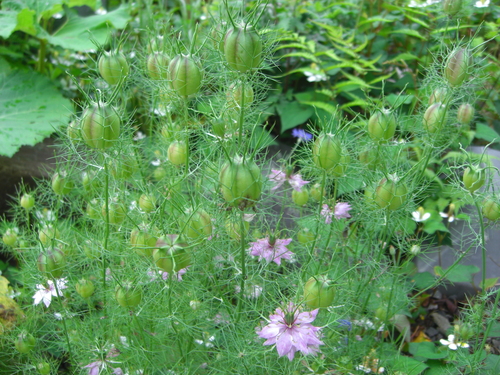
[[305, 235], [171, 255], [85, 288], [434, 117], [326, 151], [235, 230], [458, 65], [113, 67], [43, 368], [465, 113], [117, 212], [25, 343], [390, 194], [382, 126], [100, 126], [439, 95], [317, 192], [452, 7], [300, 198], [473, 178], [61, 184], [147, 202], [196, 225], [128, 295], [178, 153], [318, 293], [123, 166], [10, 237], [239, 94], [142, 242], [73, 131], [185, 75], [47, 234], [243, 48], [52, 263], [156, 44], [491, 209], [240, 182], [341, 168], [157, 65], [27, 201]]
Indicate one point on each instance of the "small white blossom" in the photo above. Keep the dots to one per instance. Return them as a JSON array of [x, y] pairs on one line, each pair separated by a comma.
[[45, 294], [452, 344]]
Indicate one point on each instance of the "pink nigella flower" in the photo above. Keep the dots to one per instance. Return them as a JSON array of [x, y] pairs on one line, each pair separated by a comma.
[[341, 211], [96, 367], [45, 294], [264, 249], [279, 177], [292, 331]]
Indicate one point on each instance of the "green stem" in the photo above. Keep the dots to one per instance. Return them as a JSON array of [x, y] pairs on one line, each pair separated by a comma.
[[42, 52], [106, 230], [243, 255], [62, 316]]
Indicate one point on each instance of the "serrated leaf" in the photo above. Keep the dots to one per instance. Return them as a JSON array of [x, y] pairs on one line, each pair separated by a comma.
[[8, 22], [30, 109], [483, 131]]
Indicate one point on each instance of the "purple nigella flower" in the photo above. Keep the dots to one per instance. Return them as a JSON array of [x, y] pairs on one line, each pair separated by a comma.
[[341, 211], [301, 134], [279, 177], [292, 331], [271, 252]]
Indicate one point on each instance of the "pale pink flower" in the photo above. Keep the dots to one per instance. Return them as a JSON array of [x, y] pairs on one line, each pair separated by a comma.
[[96, 367], [292, 331], [175, 275], [45, 294], [341, 211], [271, 252], [279, 177]]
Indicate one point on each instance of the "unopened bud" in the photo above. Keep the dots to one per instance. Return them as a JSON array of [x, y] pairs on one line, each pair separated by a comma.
[[457, 68], [465, 113]]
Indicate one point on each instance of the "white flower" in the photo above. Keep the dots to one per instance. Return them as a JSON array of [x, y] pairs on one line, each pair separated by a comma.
[[449, 216], [139, 135], [420, 216], [45, 294], [482, 3], [452, 344], [315, 77]]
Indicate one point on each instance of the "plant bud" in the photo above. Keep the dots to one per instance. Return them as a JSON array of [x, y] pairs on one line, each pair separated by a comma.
[[240, 182], [147, 203], [100, 126], [25, 343], [326, 151], [439, 95], [43, 368], [178, 153], [382, 126], [27, 201], [61, 184], [465, 113], [300, 198], [113, 67], [123, 166], [237, 97], [170, 254], [415, 250], [474, 177], [185, 75], [159, 173], [85, 288], [234, 229], [318, 292], [317, 192], [491, 209], [242, 48], [305, 236], [197, 224], [434, 117], [128, 295], [142, 242], [390, 194], [52, 263], [10, 237], [117, 212], [157, 65], [47, 234], [156, 44], [458, 65], [452, 7]]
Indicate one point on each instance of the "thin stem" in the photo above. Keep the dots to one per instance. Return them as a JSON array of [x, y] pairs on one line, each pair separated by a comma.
[[106, 229], [58, 292], [243, 255]]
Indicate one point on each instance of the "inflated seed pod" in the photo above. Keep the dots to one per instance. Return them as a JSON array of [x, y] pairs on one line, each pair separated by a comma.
[[327, 151], [61, 184], [240, 182], [452, 7], [171, 254], [318, 292], [52, 262], [178, 153], [491, 209], [434, 117], [157, 65], [458, 66], [243, 48], [465, 113], [390, 194], [128, 295], [113, 67], [100, 126], [382, 126], [185, 75], [196, 225], [473, 178], [237, 96]]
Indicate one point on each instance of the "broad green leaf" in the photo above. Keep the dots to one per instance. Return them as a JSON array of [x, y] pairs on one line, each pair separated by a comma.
[[407, 365], [30, 109], [449, 28], [423, 280], [8, 22], [458, 274], [355, 103], [291, 45], [78, 32], [431, 226], [489, 283], [293, 114], [494, 330], [483, 131], [322, 105], [427, 350], [26, 21], [374, 19]]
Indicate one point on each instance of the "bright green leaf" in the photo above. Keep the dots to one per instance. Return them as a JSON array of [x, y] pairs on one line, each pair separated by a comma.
[[483, 131], [427, 350], [423, 280], [322, 105], [489, 283], [26, 21], [407, 365], [8, 22], [293, 114]]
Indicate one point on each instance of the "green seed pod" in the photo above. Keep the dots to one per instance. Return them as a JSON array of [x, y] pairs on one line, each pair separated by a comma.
[[439, 95], [318, 293], [452, 7], [185, 75], [147, 203], [465, 113], [326, 151], [341, 168], [196, 225], [157, 65], [178, 153], [123, 166], [100, 126], [113, 67], [242, 48], [25, 343], [237, 97], [305, 236], [47, 234], [240, 182], [473, 178], [10, 237], [300, 198], [234, 229], [92, 209], [171, 254], [52, 262], [382, 126], [159, 173], [128, 295], [74, 132], [434, 118], [142, 242], [85, 288], [458, 66], [90, 181], [317, 192], [491, 209], [27, 201], [370, 158], [156, 44], [61, 184], [43, 368], [390, 194], [117, 212]]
